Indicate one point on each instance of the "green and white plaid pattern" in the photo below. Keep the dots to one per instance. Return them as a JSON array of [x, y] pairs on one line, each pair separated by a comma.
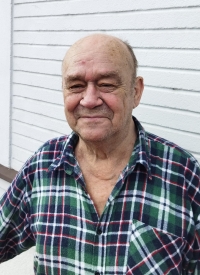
[[150, 224]]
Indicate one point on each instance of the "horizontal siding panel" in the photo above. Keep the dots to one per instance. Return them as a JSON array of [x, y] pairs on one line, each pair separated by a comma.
[[176, 39], [186, 140], [186, 101], [41, 7], [28, 144], [177, 59], [48, 38], [38, 80], [16, 164], [37, 66], [20, 154], [182, 39], [172, 59], [169, 19], [197, 156], [2, 191], [175, 79], [42, 121], [4, 185], [39, 107], [184, 121], [36, 93], [116, 5], [34, 132], [40, 52]]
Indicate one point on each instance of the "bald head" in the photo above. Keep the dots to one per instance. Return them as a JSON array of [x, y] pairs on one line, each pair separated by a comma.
[[114, 47], [100, 88]]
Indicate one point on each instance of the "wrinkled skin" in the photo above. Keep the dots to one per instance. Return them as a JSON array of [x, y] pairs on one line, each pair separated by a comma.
[[99, 92]]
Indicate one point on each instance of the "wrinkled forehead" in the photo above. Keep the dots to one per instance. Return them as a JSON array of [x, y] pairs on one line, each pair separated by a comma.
[[100, 50]]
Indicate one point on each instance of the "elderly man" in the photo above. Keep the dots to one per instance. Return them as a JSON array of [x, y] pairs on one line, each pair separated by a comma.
[[110, 198]]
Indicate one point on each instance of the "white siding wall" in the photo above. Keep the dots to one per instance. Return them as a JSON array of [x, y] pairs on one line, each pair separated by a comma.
[[4, 185], [165, 36], [5, 77]]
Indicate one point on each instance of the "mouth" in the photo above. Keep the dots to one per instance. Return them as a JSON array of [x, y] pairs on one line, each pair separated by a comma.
[[96, 116], [98, 113], [92, 119]]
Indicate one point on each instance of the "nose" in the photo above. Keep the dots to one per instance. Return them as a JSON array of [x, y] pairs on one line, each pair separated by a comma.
[[91, 97]]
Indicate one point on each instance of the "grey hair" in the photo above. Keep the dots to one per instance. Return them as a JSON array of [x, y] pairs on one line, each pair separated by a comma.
[[134, 59]]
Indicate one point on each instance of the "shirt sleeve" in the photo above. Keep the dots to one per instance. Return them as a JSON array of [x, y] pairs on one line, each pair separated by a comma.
[[193, 183], [15, 230]]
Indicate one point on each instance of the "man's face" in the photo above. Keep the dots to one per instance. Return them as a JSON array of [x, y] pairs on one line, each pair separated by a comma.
[[98, 90]]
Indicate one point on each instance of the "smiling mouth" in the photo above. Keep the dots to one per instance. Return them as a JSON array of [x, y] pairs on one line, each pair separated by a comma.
[[92, 116]]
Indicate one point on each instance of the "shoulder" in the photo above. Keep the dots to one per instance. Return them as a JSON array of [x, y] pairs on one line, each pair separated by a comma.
[[55, 144], [44, 156], [176, 166], [177, 163], [37, 165], [162, 146], [52, 148], [163, 149]]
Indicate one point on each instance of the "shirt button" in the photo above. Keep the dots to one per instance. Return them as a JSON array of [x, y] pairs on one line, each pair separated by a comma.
[[97, 273], [99, 232]]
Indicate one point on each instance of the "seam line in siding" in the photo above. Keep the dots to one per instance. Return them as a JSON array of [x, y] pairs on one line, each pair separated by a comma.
[[134, 47], [37, 86], [171, 89], [171, 128], [105, 29], [176, 110], [132, 11], [38, 73], [42, 115], [37, 58], [139, 9]]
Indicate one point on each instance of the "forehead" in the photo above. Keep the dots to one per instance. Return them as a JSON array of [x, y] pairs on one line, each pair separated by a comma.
[[98, 64], [97, 55]]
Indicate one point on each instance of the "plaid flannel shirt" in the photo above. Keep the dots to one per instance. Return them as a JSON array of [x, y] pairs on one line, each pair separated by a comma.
[[150, 223]]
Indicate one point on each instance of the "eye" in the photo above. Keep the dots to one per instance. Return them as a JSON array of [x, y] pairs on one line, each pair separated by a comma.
[[77, 88], [106, 87]]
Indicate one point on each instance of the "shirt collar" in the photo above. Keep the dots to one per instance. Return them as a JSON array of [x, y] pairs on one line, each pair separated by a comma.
[[66, 156], [140, 152]]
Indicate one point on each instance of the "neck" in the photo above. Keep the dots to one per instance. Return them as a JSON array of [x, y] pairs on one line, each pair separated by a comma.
[[115, 149]]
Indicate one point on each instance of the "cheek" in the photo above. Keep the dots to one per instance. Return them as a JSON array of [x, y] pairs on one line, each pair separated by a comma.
[[112, 101], [71, 102]]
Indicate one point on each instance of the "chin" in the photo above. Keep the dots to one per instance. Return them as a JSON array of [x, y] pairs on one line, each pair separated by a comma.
[[93, 137]]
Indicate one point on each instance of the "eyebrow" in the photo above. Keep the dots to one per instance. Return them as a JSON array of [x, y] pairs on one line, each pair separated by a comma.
[[72, 78], [111, 74]]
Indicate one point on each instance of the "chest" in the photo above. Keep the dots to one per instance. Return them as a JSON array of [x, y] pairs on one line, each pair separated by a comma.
[[140, 220], [99, 190]]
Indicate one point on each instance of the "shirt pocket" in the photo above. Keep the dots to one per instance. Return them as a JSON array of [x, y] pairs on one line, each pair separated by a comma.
[[153, 251]]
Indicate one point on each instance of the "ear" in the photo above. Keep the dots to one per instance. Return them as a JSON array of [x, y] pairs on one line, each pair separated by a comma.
[[138, 90]]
